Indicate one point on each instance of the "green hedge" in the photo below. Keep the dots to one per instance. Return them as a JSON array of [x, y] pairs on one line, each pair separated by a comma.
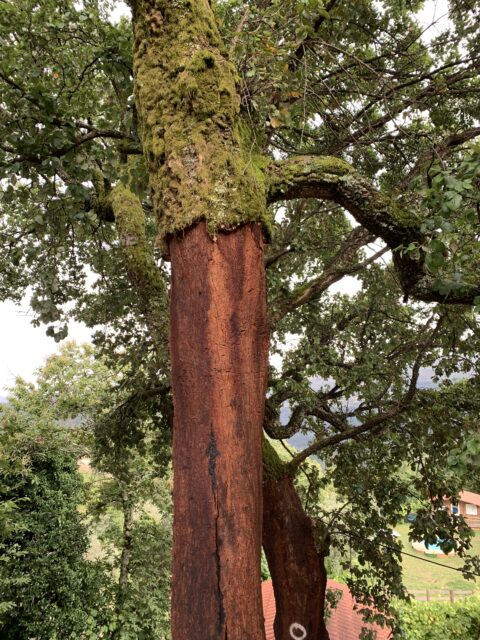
[[434, 620]]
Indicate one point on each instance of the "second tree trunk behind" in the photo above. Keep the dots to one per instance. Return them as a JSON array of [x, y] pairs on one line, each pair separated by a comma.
[[296, 565]]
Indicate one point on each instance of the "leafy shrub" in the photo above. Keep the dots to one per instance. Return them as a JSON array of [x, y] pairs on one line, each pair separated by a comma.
[[48, 590], [433, 620]]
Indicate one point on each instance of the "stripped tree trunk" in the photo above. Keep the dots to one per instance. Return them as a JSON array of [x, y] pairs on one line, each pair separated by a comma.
[[296, 563], [219, 343]]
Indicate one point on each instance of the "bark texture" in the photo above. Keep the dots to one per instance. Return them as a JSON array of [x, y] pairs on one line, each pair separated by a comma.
[[296, 565], [219, 344]]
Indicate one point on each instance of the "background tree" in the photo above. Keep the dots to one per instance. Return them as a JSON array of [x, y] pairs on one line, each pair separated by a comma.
[[48, 589], [119, 510], [132, 447]]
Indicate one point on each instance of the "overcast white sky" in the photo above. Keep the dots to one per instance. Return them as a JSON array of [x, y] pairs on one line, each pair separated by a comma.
[[23, 348]]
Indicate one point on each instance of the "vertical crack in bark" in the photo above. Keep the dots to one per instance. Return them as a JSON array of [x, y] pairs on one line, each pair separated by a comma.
[[212, 453]]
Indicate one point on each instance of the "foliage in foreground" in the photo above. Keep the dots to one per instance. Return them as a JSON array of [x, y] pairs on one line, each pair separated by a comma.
[[429, 621], [50, 588], [356, 82]]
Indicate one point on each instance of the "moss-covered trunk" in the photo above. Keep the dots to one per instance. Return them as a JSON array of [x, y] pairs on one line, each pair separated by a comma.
[[296, 563], [208, 192], [186, 91]]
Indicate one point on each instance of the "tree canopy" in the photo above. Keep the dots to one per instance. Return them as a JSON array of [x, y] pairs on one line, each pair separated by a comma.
[[348, 132]]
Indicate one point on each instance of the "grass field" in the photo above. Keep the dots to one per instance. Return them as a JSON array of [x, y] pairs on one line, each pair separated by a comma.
[[422, 575]]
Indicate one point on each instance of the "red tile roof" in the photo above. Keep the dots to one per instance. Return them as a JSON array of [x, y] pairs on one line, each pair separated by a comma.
[[345, 623], [471, 498], [268, 608]]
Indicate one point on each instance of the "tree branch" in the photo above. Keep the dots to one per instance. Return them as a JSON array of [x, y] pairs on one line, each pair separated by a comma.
[[439, 151], [418, 100], [93, 133], [332, 179], [142, 269], [340, 266], [272, 259], [303, 46], [378, 422], [238, 31], [275, 429]]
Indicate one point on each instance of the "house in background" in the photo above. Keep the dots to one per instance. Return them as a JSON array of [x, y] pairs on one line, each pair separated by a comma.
[[468, 506], [345, 623]]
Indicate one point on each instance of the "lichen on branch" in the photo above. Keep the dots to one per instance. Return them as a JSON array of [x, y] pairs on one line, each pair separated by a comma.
[[140, 264], [273, 467], [330, 178]]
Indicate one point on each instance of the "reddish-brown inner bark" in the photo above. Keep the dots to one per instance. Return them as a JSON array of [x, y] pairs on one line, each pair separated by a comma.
[[219, 346], [297, 567]]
